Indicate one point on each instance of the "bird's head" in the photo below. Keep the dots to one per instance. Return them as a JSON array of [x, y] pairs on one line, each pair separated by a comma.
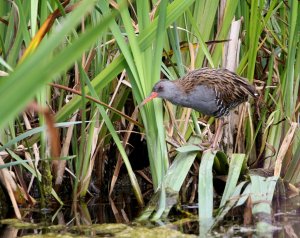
[[162, 89]]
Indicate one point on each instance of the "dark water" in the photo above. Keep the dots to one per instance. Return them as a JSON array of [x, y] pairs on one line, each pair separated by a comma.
[[108, 219]]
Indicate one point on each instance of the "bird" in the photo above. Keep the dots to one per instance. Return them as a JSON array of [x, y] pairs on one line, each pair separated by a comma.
[[213, 92]]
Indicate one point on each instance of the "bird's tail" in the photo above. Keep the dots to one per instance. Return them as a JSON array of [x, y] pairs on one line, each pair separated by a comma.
[[252, 91]]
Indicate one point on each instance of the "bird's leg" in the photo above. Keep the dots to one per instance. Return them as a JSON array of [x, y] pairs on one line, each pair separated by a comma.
[[218, 134]]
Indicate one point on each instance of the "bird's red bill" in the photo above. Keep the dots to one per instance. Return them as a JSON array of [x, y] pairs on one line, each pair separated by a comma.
[[148, 99]]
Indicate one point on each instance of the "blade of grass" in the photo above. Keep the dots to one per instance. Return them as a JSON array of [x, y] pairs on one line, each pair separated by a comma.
[[235, 198], [235, 167], [262, 190], [33, 78], [180, 167], [121, 149], [205, 186], [35, 131], [145, 39], [33, 172], [172, 183]]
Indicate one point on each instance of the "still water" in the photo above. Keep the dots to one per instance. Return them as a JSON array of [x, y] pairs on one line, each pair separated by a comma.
[[108, 219]]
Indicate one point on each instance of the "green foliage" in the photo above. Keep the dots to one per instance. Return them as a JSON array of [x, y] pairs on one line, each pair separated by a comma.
[[115, 54]]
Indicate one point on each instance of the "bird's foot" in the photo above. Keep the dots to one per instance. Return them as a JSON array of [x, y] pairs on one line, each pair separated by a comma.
[[203, 145], [215, 145]]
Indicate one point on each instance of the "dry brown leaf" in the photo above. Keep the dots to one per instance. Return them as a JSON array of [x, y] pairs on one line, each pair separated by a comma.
[[284, 148]]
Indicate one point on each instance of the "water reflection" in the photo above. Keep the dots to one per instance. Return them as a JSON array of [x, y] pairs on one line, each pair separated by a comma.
[[117, 219]]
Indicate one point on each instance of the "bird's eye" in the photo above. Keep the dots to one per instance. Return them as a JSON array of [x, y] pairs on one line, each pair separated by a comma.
[[160, 88]]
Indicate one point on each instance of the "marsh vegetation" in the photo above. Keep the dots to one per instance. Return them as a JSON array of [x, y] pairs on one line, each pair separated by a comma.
[[73, 74]]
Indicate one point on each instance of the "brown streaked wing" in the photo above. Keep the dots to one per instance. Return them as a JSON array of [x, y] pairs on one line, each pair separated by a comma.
[[229, 87]]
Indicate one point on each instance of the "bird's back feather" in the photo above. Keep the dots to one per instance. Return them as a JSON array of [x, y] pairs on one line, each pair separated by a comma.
[[230, 89]]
